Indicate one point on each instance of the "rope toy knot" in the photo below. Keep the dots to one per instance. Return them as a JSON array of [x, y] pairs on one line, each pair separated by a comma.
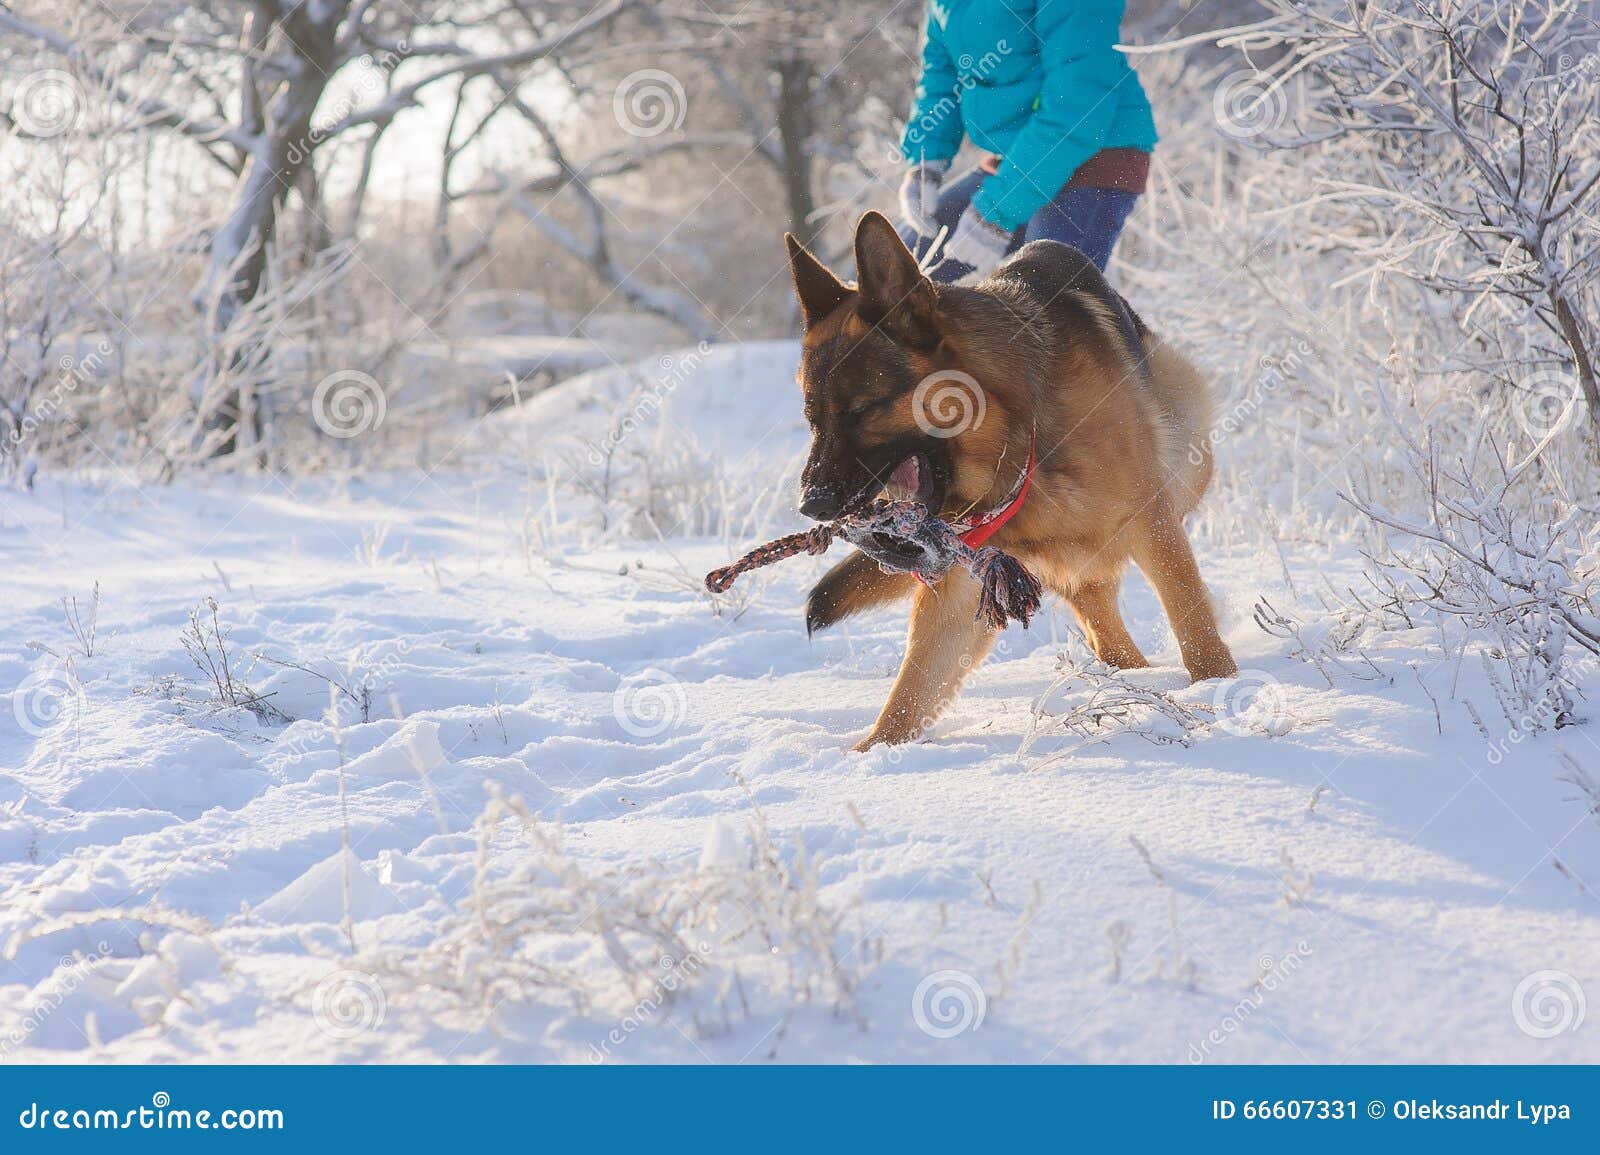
[[1009, 590], [903, 537]]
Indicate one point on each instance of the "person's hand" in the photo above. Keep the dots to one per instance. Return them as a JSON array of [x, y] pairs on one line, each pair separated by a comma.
[[919, 195], [977, 243]]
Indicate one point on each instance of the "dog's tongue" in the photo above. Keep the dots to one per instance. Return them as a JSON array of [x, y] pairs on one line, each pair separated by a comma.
[[906, 480]]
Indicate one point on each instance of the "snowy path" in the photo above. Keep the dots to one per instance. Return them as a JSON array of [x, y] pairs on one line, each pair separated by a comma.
[[1329, 878]]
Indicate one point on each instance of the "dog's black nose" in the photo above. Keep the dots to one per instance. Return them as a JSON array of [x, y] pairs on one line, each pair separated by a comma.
[[819, 504]]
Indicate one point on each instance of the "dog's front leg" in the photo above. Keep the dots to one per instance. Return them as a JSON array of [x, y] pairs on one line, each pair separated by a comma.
[[945, 643]]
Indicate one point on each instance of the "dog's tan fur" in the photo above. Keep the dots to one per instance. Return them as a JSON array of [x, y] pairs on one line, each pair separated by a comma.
[[1122, 454]]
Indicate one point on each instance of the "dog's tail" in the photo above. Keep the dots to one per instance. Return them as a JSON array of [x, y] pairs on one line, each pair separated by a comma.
[[1187, 407], [854, 585]]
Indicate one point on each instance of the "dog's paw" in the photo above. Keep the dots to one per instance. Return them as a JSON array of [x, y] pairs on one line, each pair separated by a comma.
[[822, 611], [1214, 666], [881, 737], [853, 585]]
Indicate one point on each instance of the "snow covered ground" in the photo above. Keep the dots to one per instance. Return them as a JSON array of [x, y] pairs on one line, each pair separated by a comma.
[[1337, 866]]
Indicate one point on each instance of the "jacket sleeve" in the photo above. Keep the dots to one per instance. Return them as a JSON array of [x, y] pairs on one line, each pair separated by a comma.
[[933, 131], [1076, 107]]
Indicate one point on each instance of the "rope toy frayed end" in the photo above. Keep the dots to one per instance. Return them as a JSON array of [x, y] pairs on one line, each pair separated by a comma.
[[1009, 591]]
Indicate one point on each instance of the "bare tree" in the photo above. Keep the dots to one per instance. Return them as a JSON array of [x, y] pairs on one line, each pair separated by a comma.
[[806, 81], [648, 141], [246, 84], [1468, 154]]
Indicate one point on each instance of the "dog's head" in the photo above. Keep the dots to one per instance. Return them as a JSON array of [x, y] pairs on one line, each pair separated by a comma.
[[890, 404]]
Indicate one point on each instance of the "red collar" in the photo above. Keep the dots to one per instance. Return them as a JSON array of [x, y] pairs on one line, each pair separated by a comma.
[[981, 529]]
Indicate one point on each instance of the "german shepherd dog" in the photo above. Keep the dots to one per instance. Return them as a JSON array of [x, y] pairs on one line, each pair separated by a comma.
[[1059, 374]]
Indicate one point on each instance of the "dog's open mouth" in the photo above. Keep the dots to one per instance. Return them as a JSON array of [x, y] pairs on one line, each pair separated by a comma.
[[912, 480]]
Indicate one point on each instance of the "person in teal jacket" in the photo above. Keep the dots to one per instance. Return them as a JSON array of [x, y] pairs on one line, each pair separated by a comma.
[[1038, 86]]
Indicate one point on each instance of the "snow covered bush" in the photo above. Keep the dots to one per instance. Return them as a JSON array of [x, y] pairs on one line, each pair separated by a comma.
[[1394, 225], [1458, 147], [1509, 559], [745, 925]]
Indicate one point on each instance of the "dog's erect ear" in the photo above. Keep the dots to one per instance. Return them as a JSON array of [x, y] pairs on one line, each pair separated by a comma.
[[894, 292], [820, 292]]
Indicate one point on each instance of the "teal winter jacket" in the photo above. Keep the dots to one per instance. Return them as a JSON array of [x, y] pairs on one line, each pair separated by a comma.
[[1036, 81]]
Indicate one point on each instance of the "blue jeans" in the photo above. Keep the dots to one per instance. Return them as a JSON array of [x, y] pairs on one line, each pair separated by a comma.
[[1088, 219]]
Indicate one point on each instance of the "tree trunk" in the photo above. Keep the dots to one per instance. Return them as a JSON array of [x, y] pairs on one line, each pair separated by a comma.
[[1572, 333], [238, 250], [282, 147], [795, 74]]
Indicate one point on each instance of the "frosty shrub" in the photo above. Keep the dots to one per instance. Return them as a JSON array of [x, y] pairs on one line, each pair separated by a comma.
[[1468, 156], [729, 936]]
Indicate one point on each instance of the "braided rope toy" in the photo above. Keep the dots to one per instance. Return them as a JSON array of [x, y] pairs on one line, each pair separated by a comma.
[[1008, 590]]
